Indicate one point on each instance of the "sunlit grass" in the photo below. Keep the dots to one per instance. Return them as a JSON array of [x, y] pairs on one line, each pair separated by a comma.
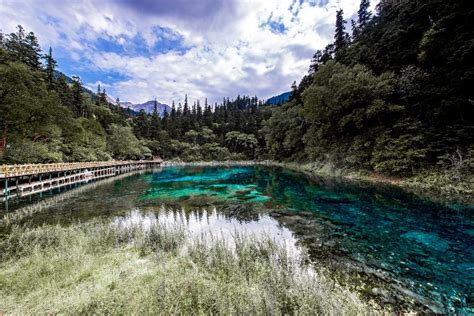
[[101, 267]]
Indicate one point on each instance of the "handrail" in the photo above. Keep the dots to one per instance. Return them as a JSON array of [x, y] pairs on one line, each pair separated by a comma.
[[30, 169]]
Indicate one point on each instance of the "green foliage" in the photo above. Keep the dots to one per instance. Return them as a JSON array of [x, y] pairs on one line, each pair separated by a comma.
[[284, 132], [28, 115], [23, 47], [396, 100], [212, 151], [123, 144], [47, 119], [343, 109], [196, 133], [400, 150], [241, 143]]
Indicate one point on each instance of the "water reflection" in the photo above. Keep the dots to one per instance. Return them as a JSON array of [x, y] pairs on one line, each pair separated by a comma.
[[209, 223]]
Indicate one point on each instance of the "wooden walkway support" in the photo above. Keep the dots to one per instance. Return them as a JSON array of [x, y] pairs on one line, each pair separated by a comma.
[[31, 209], [23, 180]]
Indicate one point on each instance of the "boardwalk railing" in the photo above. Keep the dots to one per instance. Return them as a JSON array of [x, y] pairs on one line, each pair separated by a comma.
[[7, 171], [23, 180]]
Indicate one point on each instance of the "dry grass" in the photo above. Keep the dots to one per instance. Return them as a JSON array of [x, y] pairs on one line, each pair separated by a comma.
[[104, 268]]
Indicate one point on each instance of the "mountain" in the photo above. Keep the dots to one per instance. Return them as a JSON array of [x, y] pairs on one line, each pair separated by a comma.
[[279, 99], [147, 107], [110, 99]]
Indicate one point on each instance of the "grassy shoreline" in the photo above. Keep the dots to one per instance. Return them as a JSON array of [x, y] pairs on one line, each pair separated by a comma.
[[103, 268], [434, 186]]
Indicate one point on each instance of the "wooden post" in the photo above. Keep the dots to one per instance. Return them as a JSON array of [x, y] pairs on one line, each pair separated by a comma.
[[5, 189], [41, 192]]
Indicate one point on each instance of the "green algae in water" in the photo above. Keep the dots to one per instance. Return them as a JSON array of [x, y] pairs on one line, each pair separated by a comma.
[[215, 184]]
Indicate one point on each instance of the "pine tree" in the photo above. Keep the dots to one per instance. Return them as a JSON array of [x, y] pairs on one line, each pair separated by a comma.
[[77, 100], [50, 66], [142, 125], [294, 91], [97, 98], [24, 48], [103, 97], [341, 37], [355, 30], [155, 122], [186, 110], [364, 15], [64, 92], [165, 121]]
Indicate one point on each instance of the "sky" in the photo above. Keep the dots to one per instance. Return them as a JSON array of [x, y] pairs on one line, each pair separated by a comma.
[[139, 50]]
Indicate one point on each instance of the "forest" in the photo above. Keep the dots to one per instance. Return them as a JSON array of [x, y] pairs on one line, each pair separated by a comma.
[[47, 117], [392, 94]]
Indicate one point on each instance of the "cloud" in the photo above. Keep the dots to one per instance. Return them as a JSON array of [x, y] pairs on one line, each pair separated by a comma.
[[144, 49]]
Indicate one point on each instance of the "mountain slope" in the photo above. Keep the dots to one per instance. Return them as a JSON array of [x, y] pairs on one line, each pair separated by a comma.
[[279, 99], [148, 107]]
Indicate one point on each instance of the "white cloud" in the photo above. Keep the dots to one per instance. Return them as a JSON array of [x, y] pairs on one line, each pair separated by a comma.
[[231, 49]]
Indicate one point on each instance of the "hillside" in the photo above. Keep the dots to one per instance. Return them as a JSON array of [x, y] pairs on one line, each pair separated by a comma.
[[393, 98], [279, 99]]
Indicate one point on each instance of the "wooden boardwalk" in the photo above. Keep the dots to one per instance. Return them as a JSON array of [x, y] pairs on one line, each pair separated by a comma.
[[8, 171], [23, 180]]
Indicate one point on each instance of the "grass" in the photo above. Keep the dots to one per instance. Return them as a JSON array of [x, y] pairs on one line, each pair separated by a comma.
[[101, 267], [435, 185]]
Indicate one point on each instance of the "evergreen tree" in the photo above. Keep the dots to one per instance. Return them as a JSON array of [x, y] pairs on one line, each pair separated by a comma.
[[77, 99], [64, 92], [295, 94], [165, 121], [141, 126], [155, 122], [363, 15], [50, 67], [341, 37], [23, 47], [98, 93], [103, 97]]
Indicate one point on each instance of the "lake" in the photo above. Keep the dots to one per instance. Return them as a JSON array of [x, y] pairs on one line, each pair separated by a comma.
[[387, 244]]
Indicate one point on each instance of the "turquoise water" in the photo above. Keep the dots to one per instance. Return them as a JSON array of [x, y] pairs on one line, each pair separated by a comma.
[[406, 250]]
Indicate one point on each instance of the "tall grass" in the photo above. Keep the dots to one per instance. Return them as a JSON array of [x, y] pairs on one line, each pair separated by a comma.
[[154, 268]]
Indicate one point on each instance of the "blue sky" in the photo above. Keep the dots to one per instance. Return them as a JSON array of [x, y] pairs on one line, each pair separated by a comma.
[[145, 49]]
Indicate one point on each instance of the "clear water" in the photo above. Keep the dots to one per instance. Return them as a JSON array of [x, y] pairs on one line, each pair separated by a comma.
[[392, 245]]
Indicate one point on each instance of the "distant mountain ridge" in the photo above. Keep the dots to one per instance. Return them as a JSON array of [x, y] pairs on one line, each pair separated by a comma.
[[148, 107], [279, 99], [132, 108]]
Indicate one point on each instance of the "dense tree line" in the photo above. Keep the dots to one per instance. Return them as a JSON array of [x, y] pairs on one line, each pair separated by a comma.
[[394, 97], [229, 130], [47, 118], [44, 118]]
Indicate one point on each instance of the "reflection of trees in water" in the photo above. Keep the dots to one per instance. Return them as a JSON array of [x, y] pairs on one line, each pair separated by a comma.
[[243, 213], [70, 192]]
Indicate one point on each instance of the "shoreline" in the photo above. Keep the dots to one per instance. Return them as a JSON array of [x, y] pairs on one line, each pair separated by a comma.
[[431, 185]]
